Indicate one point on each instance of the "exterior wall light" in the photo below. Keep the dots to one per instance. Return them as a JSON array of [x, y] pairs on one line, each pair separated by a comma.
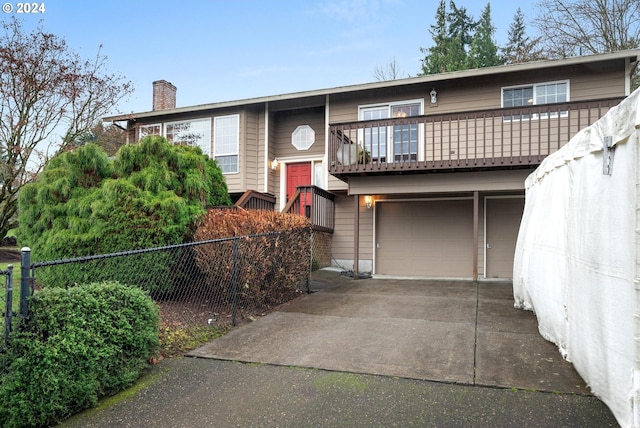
[[274, 164], [368, 201], [434, 96]]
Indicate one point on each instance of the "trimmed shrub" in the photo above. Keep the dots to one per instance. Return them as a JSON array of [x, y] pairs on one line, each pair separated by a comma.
[[83, 204], [77, 346], [270, 269]]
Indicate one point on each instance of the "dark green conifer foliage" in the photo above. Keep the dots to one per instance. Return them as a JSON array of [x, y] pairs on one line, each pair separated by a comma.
[[483, 51], [151, 195]]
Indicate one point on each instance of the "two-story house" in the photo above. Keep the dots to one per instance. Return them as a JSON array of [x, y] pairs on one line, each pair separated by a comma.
[[413, 177]]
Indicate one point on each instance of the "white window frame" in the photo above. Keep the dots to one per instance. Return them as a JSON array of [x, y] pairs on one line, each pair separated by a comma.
[[390, 155], [150, 125], [303, 137], [206, 147], [217, 150], [534, 86]]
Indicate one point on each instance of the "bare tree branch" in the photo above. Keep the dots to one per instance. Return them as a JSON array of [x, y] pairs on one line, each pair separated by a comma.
[[580, 27], [388, 71], [45, 88]]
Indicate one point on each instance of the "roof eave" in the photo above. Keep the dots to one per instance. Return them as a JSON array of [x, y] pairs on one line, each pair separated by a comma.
[[634, 55]]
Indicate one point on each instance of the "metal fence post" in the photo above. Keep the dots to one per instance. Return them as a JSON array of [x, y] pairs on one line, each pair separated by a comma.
[[311, 254], [234, 284], [25, 279], [8, 308]]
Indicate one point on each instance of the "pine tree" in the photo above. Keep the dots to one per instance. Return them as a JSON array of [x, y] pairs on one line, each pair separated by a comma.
[[435, 59], [483, 51], [520, 48], [461, 27], [452, 34]]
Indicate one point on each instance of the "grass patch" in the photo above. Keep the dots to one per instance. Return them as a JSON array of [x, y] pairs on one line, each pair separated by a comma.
[[176, 339], [346, 383]]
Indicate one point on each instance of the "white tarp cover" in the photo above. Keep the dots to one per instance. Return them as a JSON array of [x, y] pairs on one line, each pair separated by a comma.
[[576, 261]]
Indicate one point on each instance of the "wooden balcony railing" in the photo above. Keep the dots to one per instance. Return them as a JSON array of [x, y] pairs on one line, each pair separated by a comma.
[[484, 139], [314, 203], [252, 200]]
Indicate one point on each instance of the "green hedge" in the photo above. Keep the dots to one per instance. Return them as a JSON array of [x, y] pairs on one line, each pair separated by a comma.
[[83, 203], [78, 345]]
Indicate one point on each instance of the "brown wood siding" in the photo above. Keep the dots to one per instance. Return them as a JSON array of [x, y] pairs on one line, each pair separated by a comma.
[[485, 92], [285, 122], [342, 243], [486, 181], [273, 182], [335, 184], [253, 168]]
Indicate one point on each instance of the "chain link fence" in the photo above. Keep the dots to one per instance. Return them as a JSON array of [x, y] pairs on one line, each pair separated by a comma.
[[320, 249], [216, 282], [199, 287]]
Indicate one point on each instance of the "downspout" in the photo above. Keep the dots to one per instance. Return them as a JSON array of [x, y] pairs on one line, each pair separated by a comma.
[[356, 236]]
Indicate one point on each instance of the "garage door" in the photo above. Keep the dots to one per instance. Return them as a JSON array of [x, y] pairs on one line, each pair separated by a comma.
[[503, 222], [425, 238]]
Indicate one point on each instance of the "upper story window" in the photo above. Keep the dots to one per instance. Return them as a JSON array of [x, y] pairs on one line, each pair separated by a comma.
[[191, 133], [197, 132], [146, 130], [536, 94], [226, 142], [398, 142], [303, 137]]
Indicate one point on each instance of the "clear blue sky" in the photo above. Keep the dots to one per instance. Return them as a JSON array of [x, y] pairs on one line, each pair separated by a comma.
[[221, 50]]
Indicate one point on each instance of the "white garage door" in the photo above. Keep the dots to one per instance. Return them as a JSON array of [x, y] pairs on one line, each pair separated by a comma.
[[425, 238]]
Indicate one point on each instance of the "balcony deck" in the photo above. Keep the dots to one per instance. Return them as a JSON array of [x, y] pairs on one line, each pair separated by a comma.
[[519, 137]]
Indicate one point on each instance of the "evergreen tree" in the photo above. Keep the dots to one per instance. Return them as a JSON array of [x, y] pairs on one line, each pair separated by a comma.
[[150, 195], [435, 59], [520, 48], [483, 51], [460, 30], [452, 34]]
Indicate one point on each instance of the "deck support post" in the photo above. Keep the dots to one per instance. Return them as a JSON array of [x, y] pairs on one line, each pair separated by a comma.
[[356, 236], [476, 216]]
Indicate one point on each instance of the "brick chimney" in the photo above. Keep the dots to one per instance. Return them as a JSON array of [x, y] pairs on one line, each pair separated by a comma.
[[164, 95]]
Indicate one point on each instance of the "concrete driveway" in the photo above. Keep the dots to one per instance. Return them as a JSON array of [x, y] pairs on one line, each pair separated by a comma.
[[411, 332], [447, 331]]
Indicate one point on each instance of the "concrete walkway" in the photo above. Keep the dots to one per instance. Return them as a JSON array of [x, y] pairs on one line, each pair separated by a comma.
[[369, 353]]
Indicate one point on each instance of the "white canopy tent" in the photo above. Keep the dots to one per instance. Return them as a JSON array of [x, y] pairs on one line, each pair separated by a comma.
[[577, 256]]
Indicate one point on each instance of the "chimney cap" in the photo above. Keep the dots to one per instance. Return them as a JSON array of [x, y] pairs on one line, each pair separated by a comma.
[[163, 82]]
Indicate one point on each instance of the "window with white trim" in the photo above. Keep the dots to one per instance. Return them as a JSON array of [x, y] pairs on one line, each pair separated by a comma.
[[318, 174], [190, 133], [146, 130], [399, 142], [303, 137], [536, 94], [226, 142]]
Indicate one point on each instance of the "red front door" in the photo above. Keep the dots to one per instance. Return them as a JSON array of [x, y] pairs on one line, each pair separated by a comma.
[[299, 174]]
